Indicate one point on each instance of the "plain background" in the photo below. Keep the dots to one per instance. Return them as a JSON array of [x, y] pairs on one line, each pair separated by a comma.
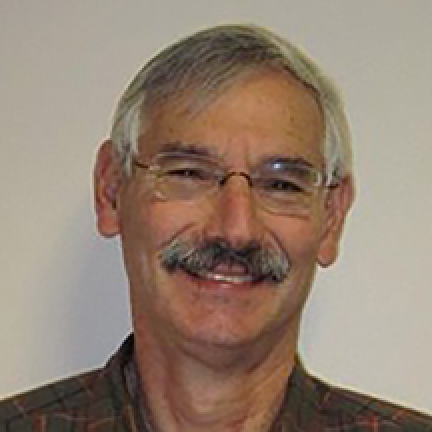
[[63, 305]]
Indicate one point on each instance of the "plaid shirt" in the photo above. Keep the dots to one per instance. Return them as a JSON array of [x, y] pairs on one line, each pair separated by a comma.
[[101, 401]]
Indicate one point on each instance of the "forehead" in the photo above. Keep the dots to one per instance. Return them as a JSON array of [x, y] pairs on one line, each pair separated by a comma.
[[265, 115]]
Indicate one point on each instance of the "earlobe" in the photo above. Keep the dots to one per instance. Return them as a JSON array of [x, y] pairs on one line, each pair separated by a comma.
[[338, 201], [107, 181]]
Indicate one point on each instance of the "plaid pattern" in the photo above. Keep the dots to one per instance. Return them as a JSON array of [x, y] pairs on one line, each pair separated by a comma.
[[99, 401]]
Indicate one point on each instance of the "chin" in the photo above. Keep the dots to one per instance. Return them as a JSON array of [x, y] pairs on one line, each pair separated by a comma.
[[208, 313], [226, 322]]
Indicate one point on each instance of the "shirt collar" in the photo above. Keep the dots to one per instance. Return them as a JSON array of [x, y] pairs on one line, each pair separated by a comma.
[[299, 411]]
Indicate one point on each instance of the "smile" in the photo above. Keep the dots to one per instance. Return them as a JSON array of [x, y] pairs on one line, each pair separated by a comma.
[[231, 274], [223, 277], [217, 261]]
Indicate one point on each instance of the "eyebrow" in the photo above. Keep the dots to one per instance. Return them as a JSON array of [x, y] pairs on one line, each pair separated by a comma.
[[187, 149], [196, 149], [288, 161]]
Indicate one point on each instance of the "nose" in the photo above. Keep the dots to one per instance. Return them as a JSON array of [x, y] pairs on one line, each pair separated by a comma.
[[235, 217]]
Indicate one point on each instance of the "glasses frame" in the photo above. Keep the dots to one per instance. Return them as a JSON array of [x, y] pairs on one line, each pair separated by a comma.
[[221, 176]]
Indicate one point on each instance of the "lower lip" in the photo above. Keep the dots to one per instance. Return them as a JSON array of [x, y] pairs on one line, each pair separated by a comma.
[[226, 279], [216, 282]]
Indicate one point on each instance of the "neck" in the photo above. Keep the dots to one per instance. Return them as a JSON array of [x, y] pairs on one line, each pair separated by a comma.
[[229, 389]]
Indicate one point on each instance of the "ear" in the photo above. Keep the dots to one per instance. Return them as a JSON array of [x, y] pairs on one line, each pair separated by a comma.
[[107, 181], [337, 203]]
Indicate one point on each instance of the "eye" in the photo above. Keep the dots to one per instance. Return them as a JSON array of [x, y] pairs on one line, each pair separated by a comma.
[[281, 186], [188, 173]]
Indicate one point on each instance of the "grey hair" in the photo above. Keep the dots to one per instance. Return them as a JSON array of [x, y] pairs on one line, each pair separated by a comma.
[[200, 67]]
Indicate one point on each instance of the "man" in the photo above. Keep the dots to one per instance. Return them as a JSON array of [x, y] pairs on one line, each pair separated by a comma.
[[228, 178]]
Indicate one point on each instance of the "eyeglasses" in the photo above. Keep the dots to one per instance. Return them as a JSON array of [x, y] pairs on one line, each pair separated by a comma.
[[279, 186]]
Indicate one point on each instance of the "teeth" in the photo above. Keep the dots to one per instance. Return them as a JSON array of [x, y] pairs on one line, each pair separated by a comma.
[[219, 277]]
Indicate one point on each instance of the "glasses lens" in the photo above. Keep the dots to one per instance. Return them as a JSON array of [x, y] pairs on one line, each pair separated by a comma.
[[286, 188], [279, 187], [180, 177]]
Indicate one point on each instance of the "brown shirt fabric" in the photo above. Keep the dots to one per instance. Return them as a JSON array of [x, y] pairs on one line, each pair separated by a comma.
[[104, 401]]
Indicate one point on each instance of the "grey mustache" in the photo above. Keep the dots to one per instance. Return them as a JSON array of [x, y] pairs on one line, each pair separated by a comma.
[[259, 262]]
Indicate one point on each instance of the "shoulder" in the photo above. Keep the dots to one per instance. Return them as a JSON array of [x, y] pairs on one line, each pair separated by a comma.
[[75, 400], [95, 401], [341, 409]]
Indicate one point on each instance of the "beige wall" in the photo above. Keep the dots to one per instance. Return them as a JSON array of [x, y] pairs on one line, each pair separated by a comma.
[[63, 302]]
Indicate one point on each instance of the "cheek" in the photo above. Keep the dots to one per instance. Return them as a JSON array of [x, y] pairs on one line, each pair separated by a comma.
[[147, 228], [164, 222], [300, 239]]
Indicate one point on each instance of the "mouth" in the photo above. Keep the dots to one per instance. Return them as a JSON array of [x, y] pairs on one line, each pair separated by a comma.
[[224, 274], [218, 262], [225, 278]]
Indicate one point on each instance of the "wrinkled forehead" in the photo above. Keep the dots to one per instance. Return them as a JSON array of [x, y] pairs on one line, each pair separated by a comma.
[[271, 107], [198, 95]]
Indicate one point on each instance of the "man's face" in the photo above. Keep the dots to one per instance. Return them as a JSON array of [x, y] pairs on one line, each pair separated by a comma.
[[267, 116]]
